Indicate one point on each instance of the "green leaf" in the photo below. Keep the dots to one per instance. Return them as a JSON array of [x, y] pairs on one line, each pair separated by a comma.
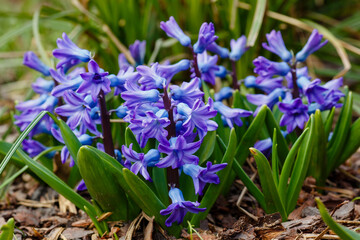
[[328, 122], [271, 123], [99, 177], [250, 136], [288, 164], [214, 190], [257, 22], [160, 182], [54, 182], [343, 232], [147, 200], [71, 141], [339, 137], [7, 230], [352, 142], [206, 90], [130, 138], [275, 159], [272, 198], [207, 147], [300, 167]]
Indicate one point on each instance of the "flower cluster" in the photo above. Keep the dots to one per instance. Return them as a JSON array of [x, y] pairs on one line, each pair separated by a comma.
[[302, 95]]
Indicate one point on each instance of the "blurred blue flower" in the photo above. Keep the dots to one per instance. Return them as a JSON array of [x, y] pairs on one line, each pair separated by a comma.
[[32, 61], [66, 82], [266, 84], [221, 51], [172, 29], [34, 148], [313, 44], [276, 45], [42, 86], [269, 100], [206, 37], [224, 93], [238, 48], [137, 50], [266, 68], [312, 89]]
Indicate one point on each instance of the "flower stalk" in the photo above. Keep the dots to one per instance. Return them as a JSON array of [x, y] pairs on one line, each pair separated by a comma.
[[105, 124]]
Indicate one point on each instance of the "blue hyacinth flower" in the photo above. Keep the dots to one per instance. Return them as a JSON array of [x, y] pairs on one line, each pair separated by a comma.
[[238, 48], [295, 114], [221, 51], [137, 51], [224, 93], [188, 92], [313, 44], [231, 115], [206, 37], [172, 29], [32, 61], [276, 45], [266, 68], [265, 84], [207, 66]]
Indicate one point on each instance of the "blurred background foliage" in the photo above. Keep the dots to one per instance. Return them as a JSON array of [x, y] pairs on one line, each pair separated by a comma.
[[106, 27]]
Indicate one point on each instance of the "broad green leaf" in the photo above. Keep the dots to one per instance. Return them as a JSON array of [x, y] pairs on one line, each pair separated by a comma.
[[160, 182], [338, 139], [214, 190], [256, 22], [5, 148], [275, 159], [130, 138], [300, 167], [54, 182], [71, 141], [7, 230], [147, 200], [99, 177], [207, 147], [272, 198], [271, 123], [352, 142], [343, 232], [206, 91], [288, 164], [250, 136]]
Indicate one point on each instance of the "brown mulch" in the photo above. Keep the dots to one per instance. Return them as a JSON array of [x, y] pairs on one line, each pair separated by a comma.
[[40, 212]]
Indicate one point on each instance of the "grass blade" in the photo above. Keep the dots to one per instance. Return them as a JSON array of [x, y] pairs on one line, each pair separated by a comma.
[[257, 22]]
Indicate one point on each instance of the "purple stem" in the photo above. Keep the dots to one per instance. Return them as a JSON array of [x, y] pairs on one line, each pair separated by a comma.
[[294, 81], [172, 174], [106, 127], [234, 76], [196, 67]]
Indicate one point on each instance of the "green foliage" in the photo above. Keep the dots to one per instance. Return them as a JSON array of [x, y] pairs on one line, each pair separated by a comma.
[[7, 230]]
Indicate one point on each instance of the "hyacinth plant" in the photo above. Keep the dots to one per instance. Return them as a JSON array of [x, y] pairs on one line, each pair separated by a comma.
[[138, 141]]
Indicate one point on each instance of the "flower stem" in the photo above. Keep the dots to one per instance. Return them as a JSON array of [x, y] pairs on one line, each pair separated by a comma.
[[106, 127], [172, 174], [234, 75], [196, 66], [294, 81]]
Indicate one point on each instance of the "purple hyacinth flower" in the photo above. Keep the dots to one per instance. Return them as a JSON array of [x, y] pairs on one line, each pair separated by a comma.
[[331, 99], [201, 175], [78, 108], [231, 115], [198, 116], [312, 89], [69, 53], [139, 97], [295, 114], [224, 93], [207, 66], [221, 51], [179, 152], [334, 84], [238, 48], [267, 84], [123, 63], [140, 160], [150, 77], [81, 186], [264, 146], [206, 37], [44, 102], [42, 86], [32, 61], [172, 29], [150, 126], [266, 68], [124, 75], [222, 72], [34, 148], [313, 44], [137, 50], [269, 100], [179, 207], [277, 46], [168, 71], [188, 93], [95, 81]]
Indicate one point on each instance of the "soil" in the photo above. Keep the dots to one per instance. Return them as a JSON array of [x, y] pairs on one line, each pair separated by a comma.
[[40, 212]]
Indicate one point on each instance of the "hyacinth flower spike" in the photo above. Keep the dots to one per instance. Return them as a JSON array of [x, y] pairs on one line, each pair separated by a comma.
[[295, 114], [276, 45], [206, 37], [32, 61], [67, 52], [179, 207], [312, 45], [201, 175], [140, 160], [188, 92], [172, 29]]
